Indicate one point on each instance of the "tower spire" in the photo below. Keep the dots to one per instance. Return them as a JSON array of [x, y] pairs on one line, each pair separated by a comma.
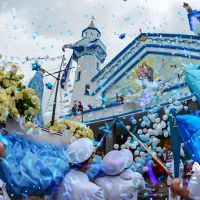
[[91, 25]]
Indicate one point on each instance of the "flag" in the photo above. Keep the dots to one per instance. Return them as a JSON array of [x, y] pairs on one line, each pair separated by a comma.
[[66, 73], [189, 128], [192, 78], [175, 141], [194, 20]]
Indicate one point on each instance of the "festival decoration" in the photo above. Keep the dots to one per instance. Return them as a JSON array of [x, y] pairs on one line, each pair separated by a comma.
[[192, 78], [49, 86], [175, 141], [11, 59], [194, 18], [17, 100], [76, 129], [122, 36], [37, 84], [189, 129]]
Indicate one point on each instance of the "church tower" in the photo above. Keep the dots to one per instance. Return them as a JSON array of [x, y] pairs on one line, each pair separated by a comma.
[[89, 53]]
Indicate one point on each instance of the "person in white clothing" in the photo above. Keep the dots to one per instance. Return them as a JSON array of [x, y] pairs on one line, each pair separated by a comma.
[[76, 184], [136, 177], [170, 166], [192, 191], [3, 192], [114, 186]]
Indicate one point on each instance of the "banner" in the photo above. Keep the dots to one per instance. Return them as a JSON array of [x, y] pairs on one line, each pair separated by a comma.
[[66, 73], [194, 21]]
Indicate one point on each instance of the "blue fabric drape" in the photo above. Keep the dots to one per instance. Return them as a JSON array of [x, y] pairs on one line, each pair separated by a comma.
[[36, 168], [32, 168], [189, 128], [192, 78], [37, 84]]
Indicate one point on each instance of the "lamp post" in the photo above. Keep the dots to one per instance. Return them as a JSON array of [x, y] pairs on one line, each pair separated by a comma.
[[56, 92]]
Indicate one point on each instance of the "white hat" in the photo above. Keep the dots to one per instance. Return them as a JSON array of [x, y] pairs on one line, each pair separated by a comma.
[[113, 163], [80, 150], [128, 157]]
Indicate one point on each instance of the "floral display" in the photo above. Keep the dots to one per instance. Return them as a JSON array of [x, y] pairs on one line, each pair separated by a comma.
[[17, 100], [76, 129]]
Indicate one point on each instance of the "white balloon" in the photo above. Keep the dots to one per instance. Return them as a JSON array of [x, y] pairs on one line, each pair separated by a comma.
[[145, 169], [136, 143], [144, 130], [170, 100], [129, 138], [136, 152], [155, 140], [154, 144], [133, 146], [152, 118], [142, 154], [127, 145], [143, 124], [155, 154], [116, 146], [194, 98], [155, 126], [139, 131], [181, 107], [122, 146], [157, 120], [166, 134], [128, 127], [150, 131], [148, 135], [167, 111], [163, 124], [156, 133], [159, 149], [165, 117], [159, 128]]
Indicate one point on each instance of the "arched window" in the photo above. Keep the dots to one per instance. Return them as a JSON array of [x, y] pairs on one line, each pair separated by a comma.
[[87, 89], [78, 78]]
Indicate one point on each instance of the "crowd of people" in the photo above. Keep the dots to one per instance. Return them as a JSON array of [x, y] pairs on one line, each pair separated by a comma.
[[96, 176], [117, 180]]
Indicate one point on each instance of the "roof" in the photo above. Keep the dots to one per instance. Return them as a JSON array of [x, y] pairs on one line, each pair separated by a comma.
[[192, 52], [91, 25], [161, 35]]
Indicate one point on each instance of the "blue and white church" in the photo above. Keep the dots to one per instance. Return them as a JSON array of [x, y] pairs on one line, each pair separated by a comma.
[[152, 65], [112, 89]]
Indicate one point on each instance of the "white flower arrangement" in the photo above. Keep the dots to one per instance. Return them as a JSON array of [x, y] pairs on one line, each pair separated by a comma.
[[76, 129], [16, 99]]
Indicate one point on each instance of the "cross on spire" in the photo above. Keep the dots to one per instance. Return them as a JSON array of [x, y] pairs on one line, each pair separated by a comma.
[[92, 18]]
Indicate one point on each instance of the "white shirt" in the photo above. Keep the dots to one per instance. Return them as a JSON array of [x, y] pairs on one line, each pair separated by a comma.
[[170, 166], [117, 187], [137, 179], [3, 188], [76, 186], [194, 186]]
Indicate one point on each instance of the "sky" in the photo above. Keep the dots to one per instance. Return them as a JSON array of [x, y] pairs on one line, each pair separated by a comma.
[[37, 28]]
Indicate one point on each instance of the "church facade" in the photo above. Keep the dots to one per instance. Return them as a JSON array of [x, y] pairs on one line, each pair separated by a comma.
[[115, 89]]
